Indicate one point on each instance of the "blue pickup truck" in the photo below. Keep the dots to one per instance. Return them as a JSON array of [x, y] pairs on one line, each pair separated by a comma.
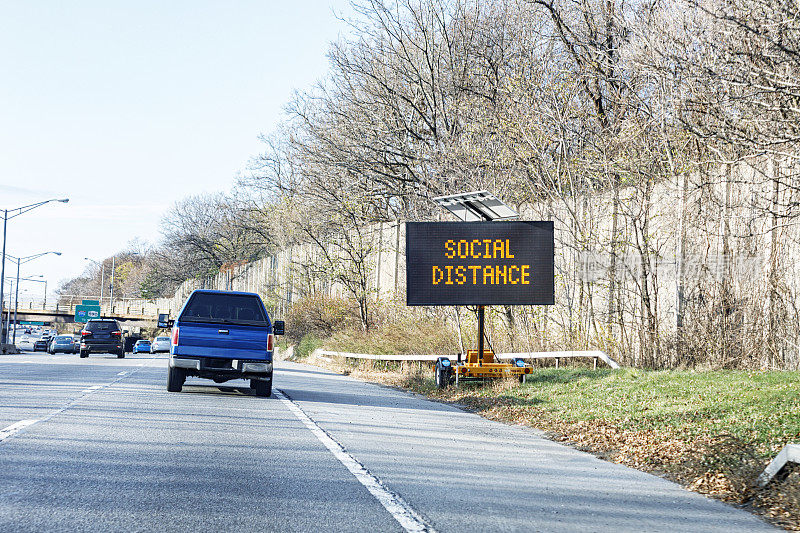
[[222, 335]]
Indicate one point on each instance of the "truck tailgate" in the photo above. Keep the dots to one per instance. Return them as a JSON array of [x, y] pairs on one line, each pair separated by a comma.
[[228, 341]]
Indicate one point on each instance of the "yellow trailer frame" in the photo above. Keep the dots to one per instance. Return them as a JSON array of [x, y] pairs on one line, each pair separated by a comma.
[[478, 367], [487, 367]]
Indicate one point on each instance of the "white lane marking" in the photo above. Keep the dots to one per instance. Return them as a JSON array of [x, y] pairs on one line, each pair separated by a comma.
[[123, 373], [399, 509], [15, 428]]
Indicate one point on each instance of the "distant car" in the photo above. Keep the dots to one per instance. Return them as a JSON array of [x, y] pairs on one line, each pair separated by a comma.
[[141, 345], [40, 345], [160, 344], [61, 343], [102, 335]]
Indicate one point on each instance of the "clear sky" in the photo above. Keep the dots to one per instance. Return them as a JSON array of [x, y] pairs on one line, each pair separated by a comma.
[[125, 107]]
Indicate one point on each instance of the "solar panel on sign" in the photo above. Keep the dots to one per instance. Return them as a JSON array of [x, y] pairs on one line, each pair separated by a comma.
[[476, 206]]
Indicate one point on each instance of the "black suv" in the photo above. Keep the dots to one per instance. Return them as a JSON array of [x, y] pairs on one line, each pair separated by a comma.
[[102, 336]]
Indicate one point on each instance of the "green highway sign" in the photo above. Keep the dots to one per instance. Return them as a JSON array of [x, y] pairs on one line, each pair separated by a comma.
[[85, 312], [91, 302]]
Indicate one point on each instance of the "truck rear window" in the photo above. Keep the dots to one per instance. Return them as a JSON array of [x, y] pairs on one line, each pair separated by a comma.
[[224, 309]]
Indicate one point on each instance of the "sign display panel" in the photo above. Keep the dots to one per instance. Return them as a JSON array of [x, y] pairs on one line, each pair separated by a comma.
[[84, 312], [480, 263]]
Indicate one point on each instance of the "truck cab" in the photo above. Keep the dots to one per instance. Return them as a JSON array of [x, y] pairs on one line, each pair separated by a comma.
[[223, 335]]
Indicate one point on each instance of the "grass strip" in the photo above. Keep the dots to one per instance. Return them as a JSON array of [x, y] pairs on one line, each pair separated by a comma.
[[712, 431]]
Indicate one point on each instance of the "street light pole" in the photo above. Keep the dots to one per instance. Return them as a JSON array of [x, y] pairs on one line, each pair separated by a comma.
[[113, 270], [19, 261], [16, 303], [19, 211], [31, 278], [3, 277], [102, 279], [7, 319], [16, 299]]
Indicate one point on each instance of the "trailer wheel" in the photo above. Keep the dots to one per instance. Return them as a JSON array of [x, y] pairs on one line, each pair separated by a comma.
[[519, 363]]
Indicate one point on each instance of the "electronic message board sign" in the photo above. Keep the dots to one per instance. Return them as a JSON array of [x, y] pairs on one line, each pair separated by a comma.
[[480, 263]]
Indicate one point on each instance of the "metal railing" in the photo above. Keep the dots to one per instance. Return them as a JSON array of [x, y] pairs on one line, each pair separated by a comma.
[[591, 354]]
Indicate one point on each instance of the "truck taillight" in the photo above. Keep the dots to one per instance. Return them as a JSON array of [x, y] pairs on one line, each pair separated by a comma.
[[270, 341], [175, 336], [85, 333], [117, 333]]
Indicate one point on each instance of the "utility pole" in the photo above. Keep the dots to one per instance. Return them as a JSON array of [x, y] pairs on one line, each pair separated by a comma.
[[113, 268]]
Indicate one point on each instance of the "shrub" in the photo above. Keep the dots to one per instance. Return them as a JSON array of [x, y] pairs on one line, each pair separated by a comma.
[[397, 329], [307, 344], [320, 316]]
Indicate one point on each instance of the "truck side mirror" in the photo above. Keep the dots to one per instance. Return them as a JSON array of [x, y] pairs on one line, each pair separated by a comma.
[[164, 321], [278, 327]]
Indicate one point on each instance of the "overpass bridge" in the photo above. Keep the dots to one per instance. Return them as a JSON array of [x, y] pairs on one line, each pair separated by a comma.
[[134, 312]]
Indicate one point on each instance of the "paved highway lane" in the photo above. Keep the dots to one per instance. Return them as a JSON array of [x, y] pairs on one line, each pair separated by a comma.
[[132, 457], [112, 450], [33, 385]]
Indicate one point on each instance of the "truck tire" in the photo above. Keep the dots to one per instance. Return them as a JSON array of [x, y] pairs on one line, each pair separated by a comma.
[[121, 354], [84, 354], [175, 379], [262, 387]]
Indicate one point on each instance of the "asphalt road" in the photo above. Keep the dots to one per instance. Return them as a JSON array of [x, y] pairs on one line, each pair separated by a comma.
[[98, 444]]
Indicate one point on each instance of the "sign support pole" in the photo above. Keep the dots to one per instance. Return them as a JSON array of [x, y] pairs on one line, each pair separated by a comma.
[[480, 334]]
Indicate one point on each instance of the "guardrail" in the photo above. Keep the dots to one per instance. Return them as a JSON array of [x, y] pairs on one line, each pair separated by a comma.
[[593, 354], [789, 454]]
